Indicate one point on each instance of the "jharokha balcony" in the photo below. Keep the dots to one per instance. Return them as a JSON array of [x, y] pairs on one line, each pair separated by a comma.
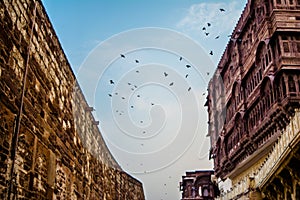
[[261, 124], [257, 178]]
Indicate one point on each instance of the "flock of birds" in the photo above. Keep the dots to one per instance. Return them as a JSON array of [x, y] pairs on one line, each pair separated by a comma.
[[165, 74], [112, 82], [205, 30], [133, 87]]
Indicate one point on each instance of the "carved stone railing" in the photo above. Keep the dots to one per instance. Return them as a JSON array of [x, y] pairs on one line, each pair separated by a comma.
[[258, 177], [279, 150], [237, 189]]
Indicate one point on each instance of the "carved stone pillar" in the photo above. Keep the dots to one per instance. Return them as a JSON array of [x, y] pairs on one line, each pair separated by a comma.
[[295, 78], [286, 85]]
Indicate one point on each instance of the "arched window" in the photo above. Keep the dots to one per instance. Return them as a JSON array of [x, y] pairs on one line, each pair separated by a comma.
[[189, 191], [236, 93], [263, 107]]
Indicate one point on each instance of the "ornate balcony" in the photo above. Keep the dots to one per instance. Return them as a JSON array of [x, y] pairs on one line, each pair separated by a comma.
[[259, 177]]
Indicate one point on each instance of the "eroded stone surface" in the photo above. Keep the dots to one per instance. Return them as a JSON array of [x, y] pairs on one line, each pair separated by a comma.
[[61, 153]]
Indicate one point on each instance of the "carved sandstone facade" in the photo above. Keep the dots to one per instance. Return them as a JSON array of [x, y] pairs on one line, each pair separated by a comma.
[[253, 104], [198, 185], [50, 145]]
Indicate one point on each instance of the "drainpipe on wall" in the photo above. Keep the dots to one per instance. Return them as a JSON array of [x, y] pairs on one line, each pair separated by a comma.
[[12, 183]]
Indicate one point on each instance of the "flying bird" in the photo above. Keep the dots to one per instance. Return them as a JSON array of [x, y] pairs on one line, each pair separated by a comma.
[[188, 66], [129, 83], [131, 106], [171, 84], [111, 82], [208, 24], [165, 73], [222, 9], [136, 61], [207, 73], [122, 56], [137, 71], [211, 53], [217, 37], [186, 75], [138, 95], [110, 95], [206, 33], [123, 97], [203, 29], [189, 89], [180, 58]]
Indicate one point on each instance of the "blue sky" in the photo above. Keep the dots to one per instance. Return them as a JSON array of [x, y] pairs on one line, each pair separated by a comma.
[[80, 25], [154, 125]]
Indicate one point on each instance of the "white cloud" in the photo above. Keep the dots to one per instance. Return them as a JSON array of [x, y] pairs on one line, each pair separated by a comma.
[[222, 25], [221, 22]]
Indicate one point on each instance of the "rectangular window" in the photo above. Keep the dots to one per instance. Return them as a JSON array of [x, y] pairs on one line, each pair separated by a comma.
[[291, 2], [286, 47]]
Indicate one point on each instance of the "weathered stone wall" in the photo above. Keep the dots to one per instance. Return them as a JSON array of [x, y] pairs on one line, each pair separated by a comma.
[[60, 153]]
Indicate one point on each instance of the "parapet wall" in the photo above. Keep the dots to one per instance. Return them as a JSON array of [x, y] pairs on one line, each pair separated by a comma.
[[60, 152]]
